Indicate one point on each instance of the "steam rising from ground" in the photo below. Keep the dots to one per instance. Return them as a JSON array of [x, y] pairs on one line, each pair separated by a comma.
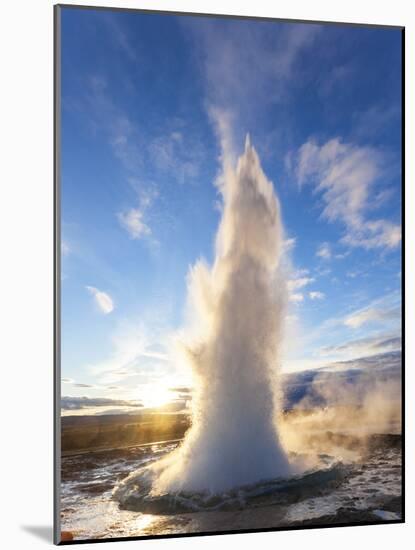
[[233, 346], [353, 406]]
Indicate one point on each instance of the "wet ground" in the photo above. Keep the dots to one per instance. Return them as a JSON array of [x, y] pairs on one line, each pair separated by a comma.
[[365, 489]]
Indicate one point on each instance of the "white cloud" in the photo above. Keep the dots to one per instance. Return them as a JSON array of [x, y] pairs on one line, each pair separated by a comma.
[[102, 299], [174, 154], [132, 221], [324, 251], [316, 295], [372, 315], [120, 36], [345, 175], [301, 272], [135, 357], [237, 86], [71, 403], [289, 244], [342, 256], [301, 282], [375, 234], [323, 272], [231, 57], [125, 142], [296, 297], [373, 344], [174, 148], [386, 318]]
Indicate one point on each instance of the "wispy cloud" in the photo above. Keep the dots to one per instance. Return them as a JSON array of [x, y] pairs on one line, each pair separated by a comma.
[[237, 86], [316, 295], [335, 79], [296, 297], [171, 153], [345, 175], [170, 150], [301, 282], [372, 315], [132, 221], [114, 123], [390, 359], [172, 147], [103, 300], [135, 357], [120, 36], [324, 251], [382, 313], [376, 119], [376, 343], [232, 71], [75, 403], [289, 244]]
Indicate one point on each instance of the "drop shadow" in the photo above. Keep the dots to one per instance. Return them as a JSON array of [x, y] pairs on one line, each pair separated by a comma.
[[43, 532]]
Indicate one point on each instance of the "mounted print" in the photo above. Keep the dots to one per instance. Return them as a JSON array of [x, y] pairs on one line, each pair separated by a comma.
[[228, 274]]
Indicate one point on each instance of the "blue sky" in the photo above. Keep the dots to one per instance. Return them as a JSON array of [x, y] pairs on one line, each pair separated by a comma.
[[149, 104]]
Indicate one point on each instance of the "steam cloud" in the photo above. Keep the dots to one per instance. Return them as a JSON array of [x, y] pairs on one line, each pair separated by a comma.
[[238, 307], [340, 409]]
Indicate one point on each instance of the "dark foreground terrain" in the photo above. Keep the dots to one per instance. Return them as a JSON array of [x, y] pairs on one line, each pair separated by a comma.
[[90, 433]]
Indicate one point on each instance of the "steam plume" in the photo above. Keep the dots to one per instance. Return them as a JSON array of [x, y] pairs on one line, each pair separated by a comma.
[[356, 408], [238, 307]]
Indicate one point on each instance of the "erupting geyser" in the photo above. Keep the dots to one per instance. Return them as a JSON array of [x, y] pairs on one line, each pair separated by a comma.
[[233, 350]]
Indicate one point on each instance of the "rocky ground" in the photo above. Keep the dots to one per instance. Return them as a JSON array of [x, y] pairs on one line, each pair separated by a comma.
[[363, 491]]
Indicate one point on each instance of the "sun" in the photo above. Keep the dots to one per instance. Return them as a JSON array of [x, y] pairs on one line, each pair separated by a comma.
[[156, 396]]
